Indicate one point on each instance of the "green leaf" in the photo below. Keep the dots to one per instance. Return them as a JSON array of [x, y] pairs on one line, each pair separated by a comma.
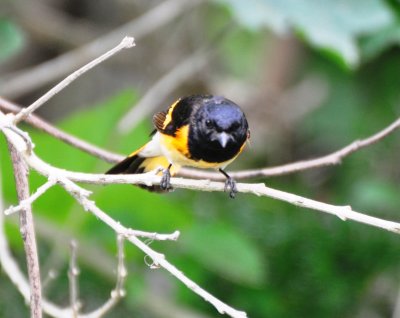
[[328, 25], [11, 39], [227, 252], [373, 45]]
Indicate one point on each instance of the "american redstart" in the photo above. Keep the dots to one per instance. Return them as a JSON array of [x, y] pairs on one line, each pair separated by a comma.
[[201, 131]]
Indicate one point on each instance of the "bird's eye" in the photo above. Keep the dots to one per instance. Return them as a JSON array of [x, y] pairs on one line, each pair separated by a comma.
[[208, 123], [234, 126]]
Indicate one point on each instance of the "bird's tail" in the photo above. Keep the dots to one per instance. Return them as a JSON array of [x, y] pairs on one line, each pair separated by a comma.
[[135, 163]]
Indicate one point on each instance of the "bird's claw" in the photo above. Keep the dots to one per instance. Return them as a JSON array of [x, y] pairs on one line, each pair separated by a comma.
[[165, 183], [230, 184]]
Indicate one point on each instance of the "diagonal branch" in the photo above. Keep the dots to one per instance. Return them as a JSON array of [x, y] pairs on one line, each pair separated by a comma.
[[126, 43], [26, 203]]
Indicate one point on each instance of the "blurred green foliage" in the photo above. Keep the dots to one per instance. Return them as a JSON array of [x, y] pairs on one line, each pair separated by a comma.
[[259, 255], [334, 26]]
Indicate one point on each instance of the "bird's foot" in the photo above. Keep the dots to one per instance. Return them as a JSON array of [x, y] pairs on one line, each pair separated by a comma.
[[230, 184], [165, 183]]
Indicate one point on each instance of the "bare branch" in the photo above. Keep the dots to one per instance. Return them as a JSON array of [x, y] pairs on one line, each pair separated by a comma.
[[27, 232], [206, 185], [8, 264], [126, 43], [150, 178]]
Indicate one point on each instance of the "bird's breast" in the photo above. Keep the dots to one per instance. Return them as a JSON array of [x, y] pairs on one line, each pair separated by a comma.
[[176, 149]]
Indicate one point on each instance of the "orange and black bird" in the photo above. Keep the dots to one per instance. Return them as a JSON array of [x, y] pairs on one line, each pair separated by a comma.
[[201, 131]]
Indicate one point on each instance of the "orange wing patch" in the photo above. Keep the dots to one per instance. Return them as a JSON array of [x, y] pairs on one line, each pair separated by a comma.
[[179, 142]]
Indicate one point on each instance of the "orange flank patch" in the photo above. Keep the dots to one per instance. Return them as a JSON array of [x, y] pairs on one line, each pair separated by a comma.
[[176, 147], [180, 142]]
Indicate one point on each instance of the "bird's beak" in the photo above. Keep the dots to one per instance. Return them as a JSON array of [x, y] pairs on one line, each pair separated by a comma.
[[223, 139]]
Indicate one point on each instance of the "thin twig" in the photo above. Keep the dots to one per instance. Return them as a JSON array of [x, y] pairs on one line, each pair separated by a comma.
[[27, 202], [154, 236], [73, 274], [27, 232], [126, 43]]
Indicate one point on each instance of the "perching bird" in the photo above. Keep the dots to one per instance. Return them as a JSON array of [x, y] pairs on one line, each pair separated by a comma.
[[201, 131]]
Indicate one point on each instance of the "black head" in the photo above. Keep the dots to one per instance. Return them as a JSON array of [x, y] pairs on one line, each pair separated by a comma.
[[218, 130]]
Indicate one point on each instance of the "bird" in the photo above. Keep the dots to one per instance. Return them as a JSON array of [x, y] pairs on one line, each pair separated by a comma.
[[200, 131]]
